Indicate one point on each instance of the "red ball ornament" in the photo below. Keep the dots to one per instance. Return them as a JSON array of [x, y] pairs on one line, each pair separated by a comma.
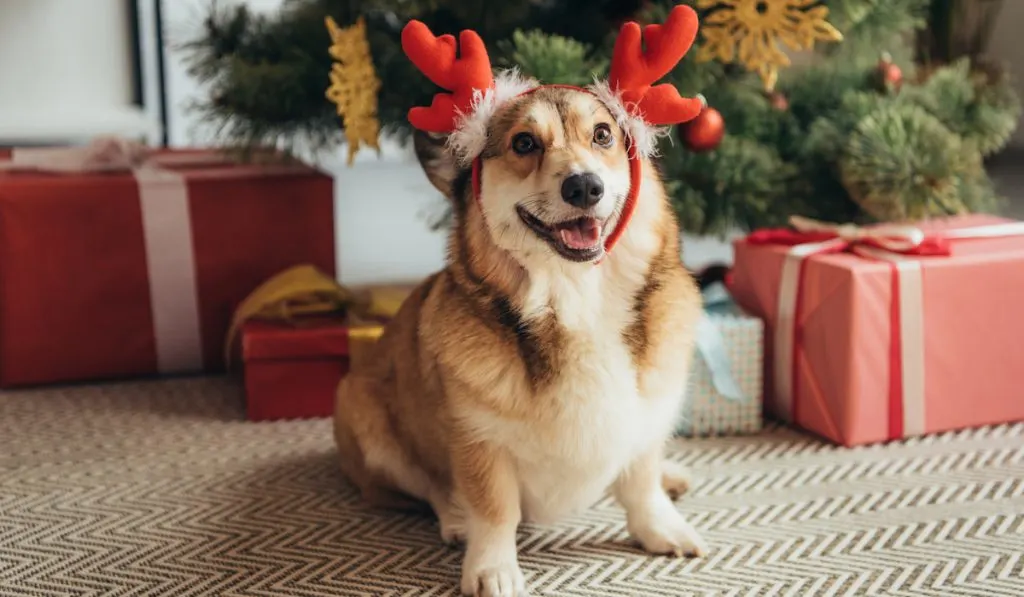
[[778, 101], [704, 132], [893, 77], [890, 74]]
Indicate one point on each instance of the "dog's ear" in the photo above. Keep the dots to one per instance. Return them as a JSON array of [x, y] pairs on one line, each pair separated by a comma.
[[438, 163]]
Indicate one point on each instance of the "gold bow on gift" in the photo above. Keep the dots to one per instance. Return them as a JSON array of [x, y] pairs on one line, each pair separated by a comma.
[[304, 291]]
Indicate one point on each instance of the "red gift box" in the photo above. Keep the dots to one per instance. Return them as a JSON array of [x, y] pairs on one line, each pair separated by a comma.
[[887, 332], [134, 269], [292, 372], [301, 333]]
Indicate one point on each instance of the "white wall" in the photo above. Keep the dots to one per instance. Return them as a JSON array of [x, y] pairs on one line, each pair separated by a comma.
[[65, 71]]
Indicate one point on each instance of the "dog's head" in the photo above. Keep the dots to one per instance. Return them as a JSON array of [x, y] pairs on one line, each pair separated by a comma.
[[554, 170], [553, 175]]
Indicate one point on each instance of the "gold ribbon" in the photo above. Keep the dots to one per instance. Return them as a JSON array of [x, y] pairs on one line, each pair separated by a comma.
[[303, 291], [361, 340]]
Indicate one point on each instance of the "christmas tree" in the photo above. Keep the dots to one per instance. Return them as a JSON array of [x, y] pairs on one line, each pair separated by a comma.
[[888, 116]]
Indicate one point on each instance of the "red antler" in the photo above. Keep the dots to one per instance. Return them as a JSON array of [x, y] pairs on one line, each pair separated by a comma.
[[633, 70], [435, 57]]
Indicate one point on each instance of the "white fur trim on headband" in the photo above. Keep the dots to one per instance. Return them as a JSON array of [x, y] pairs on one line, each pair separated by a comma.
[[470, 135], [645, 136]]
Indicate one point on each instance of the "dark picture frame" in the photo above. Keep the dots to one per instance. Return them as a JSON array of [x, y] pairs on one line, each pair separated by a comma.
[[148, 60]]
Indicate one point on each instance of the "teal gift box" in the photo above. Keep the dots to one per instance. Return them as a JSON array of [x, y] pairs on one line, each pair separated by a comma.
[[726, 372]]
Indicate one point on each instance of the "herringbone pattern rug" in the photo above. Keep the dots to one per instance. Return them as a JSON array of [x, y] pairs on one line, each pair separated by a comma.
[[160, 488]]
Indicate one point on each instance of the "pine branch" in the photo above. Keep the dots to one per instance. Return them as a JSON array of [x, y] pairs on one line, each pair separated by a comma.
[[737, 185], [901, 163], [980, 105], [553, 59], [844, 150]]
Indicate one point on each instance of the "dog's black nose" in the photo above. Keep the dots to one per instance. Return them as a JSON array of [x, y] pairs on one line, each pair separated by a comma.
[[582, 190]]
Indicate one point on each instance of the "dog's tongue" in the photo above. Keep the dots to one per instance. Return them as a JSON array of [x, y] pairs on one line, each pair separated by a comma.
[[580, 234]]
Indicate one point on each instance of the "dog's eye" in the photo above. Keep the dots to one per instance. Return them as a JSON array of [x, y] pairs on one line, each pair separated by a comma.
[[524, 143], [603, 135]]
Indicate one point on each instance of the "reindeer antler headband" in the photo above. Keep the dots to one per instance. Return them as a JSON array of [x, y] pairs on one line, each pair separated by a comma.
[[475, 95]]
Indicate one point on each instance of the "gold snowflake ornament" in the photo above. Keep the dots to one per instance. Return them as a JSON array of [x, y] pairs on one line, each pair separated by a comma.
[[354, 85], [750, 32]]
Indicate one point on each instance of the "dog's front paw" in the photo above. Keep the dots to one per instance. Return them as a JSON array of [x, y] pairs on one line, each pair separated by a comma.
[[668, 533], [500, 579]]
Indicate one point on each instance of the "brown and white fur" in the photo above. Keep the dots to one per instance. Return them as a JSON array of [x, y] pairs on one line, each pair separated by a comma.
[[517, 384]]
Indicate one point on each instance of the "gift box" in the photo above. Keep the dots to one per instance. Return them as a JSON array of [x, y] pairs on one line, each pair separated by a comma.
[[117, 261], [301, 333], [292, 370], [888, 332], [725, 385]]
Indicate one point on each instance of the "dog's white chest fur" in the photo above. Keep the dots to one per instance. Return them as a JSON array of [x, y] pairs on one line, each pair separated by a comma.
[[596, 421], [603, 424]]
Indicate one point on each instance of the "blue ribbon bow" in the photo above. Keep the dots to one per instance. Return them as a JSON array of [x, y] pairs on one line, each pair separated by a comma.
[[711, 345]]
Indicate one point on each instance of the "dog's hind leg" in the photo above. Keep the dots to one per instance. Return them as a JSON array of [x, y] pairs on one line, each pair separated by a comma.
[[675, 479], [373, 459]]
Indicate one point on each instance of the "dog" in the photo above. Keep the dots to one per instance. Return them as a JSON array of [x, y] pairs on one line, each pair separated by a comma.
[[540, 369]]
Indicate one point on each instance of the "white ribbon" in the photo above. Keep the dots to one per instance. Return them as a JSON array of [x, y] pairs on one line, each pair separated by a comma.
[[107, 154], [987, 231], [170, 261], [911, 309], [167, 232], [893, 237], [785, 321]]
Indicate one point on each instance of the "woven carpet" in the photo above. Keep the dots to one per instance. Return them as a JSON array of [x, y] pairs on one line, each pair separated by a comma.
[[161, 488]]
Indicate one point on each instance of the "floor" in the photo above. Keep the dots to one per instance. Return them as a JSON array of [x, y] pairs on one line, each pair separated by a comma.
[[162, 488]]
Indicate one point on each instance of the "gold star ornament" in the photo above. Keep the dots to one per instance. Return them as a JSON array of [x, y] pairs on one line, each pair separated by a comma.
[[354, 86], [751, 31]]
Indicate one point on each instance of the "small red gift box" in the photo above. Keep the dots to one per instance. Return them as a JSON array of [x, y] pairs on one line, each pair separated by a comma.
[[301, 333], [292, 372], [114, 265], [887, 332]]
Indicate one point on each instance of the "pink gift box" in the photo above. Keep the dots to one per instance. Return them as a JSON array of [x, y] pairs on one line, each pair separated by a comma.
[[865, 346]]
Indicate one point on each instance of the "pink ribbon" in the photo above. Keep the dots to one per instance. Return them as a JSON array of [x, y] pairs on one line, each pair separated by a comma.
[[901, 246]]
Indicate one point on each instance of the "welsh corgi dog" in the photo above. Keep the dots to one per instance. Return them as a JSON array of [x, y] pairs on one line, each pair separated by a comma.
[[545, 366]]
